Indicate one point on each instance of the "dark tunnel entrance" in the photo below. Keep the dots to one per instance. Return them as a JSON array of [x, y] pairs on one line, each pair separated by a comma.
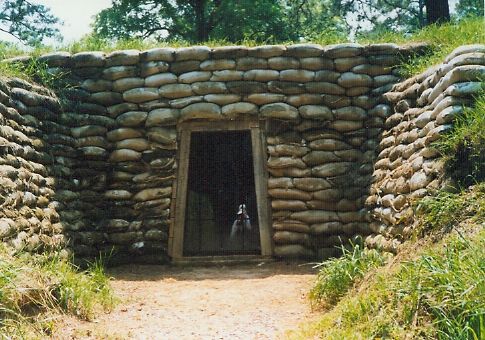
[[220, 178]]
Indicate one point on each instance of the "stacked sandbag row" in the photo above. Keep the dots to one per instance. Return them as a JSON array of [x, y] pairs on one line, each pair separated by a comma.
[[408, 166], [126, 170], [320, 169], [141, 153], [128, 105], [31, 214], [318, 184], [84, 153]]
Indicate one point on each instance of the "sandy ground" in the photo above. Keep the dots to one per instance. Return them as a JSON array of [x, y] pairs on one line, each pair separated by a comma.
[[252, 301]]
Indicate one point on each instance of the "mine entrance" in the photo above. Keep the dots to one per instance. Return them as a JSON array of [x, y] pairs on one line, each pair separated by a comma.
[[220, 179]]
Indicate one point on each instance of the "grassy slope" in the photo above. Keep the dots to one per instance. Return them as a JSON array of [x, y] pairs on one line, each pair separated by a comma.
[[35, 288], [443, 40], [431, 289]]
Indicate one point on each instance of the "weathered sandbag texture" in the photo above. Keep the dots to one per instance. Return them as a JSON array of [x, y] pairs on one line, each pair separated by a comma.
[[408, 167], [346, 146], [37, 153]]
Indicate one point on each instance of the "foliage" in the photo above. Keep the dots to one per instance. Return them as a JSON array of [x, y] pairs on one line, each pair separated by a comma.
[[193, 21], [264, 21], [268, 21], [463, 149], [382, 15], [437, 293], [337, 276], [469, 8], [315, 19], [260, 20], [378, 17], [28, 22], [32, 287]]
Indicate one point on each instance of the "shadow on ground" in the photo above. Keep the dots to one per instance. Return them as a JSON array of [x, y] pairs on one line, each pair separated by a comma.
[[258, 270]]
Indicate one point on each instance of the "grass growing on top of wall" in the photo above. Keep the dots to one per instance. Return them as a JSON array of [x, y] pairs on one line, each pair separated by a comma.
[[93, 43], [463, 149], [443, 40], [34, 71], [34, 288], [431, 290]]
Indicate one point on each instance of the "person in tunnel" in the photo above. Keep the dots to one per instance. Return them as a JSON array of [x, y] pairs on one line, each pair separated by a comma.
[[242, 221]]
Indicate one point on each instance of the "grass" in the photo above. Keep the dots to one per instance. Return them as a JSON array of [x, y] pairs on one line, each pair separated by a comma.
[[35, 71], [337, 276], [463, 149], [93, 43], [34, 288], [445, 210], [447, 286], [443, 39], [431, 290]]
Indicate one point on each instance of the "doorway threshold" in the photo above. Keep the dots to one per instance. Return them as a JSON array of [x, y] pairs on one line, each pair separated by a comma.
[[221, 260]]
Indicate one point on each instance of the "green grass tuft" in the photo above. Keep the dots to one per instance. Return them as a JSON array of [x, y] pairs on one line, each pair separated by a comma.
[[33, 287], [35, 71], [445, 210], [447, 285], [337, 276]]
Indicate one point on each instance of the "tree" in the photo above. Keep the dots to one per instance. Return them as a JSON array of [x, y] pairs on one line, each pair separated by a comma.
[[467, 8], [394, 15], [193, 20], [309, 19], [28, 22], [230, 20], [382, 15], [437, 11], [259, 20]]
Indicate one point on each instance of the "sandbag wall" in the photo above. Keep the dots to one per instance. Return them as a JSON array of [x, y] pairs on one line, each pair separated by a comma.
[[323, 108], [125, 168], [408, 167], [31, 196]]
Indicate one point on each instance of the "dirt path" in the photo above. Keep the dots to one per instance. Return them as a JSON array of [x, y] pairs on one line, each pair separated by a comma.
[[257, 301]]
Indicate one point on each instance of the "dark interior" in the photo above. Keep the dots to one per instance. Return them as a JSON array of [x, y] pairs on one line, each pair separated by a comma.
[[221, 177]]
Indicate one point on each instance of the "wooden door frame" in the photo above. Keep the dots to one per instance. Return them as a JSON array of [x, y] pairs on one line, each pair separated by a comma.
[[179, 199]]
